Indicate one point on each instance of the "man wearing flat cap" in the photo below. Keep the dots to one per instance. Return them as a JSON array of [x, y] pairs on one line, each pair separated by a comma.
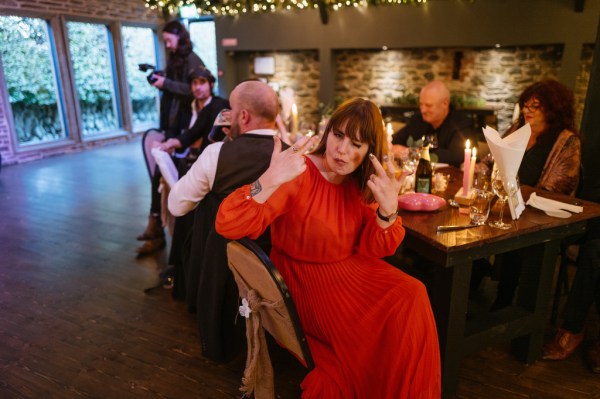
[[205, 109], [184, 148]]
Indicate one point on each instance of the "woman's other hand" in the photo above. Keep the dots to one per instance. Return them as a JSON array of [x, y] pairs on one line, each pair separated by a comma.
[[385, 184]]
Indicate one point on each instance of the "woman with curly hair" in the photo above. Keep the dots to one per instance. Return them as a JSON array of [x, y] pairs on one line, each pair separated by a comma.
[[553, 154], [551, 161]]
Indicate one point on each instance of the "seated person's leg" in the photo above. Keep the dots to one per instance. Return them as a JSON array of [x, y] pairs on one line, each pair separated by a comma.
[[154, 234]]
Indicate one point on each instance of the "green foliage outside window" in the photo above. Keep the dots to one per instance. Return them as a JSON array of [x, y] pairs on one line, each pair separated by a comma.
[[139, 48], [28, 72], [92, 68]]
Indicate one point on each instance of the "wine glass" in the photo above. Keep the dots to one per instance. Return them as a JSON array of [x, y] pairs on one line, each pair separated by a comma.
[[501, 191]]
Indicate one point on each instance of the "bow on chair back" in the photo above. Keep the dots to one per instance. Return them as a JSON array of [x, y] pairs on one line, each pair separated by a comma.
[[266, 304]]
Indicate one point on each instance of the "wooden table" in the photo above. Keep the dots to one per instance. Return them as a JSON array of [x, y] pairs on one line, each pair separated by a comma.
[[454, 252]]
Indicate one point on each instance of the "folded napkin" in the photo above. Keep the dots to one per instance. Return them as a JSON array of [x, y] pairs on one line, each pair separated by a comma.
[[508, 153], [546, 204], [166, 166]]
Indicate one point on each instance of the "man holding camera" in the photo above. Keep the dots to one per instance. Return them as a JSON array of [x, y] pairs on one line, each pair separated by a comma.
[[175, 114]]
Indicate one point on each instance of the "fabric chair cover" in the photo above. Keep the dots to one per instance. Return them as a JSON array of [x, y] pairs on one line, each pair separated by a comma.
[[264, 292]]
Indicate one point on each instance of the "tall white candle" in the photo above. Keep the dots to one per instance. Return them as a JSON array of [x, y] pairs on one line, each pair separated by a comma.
[[390, 133], [294, 119], [472, 167], [466, 168]]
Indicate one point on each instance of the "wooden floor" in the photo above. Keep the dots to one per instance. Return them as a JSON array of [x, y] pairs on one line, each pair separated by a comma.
[[75, 322]]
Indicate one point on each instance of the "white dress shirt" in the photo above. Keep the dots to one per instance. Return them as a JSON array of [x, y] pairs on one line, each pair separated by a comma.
[[199, 180]]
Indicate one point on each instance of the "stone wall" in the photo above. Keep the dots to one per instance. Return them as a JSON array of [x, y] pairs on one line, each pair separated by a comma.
[[298, 70], [496, 76]]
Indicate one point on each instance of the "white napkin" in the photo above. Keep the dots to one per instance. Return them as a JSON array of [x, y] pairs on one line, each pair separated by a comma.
[[508, 153], [546, 204], [166, 166]]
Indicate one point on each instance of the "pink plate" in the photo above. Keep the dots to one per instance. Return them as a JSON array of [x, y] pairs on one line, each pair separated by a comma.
[[420, 202]]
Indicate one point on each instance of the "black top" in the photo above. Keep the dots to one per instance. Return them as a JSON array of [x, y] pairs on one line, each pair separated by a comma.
[[203, 124], [451, 135], [533, 163]]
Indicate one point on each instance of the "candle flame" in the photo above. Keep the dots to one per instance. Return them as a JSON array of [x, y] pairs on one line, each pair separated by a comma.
[[390, 129], [295, 109], [474, 153], [468, 144]]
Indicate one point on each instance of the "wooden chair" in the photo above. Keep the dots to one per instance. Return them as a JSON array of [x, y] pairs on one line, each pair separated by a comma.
[[150, 137], [265, 294]]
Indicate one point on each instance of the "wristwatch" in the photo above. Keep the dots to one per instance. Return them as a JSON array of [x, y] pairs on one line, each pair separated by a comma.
[[388, 217]]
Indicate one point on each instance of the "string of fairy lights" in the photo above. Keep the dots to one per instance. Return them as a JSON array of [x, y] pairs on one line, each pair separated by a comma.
[[238, 7]]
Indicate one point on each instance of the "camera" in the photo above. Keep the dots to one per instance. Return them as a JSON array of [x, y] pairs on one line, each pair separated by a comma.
[[152, 68]]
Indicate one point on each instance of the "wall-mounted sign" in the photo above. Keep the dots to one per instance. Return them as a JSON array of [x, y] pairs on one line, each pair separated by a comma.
[[264, 65], [229, 42]]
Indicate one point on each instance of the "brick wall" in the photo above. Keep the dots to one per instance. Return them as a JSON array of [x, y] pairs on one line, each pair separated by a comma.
[[123, 10]]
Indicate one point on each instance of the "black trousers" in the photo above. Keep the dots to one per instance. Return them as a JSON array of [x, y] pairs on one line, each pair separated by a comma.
[[586, 285]]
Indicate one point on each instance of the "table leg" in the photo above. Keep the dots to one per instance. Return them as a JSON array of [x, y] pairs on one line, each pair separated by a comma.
[[449, 302], [539, 263]]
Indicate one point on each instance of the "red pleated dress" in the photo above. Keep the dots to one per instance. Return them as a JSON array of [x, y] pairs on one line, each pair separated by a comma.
[[369, 325]]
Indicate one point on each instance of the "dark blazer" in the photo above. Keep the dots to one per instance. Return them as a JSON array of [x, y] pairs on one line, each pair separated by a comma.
[[210, 286], [451, 135]]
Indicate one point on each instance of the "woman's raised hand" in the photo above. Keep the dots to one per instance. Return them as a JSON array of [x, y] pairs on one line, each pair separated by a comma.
[[386, 184], [285, 166], [288, 164]]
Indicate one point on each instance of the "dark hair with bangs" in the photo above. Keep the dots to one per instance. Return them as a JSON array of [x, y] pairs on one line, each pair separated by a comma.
[[363, 123], [557, 103]]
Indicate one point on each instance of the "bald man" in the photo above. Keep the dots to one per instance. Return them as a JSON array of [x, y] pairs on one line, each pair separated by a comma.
[[436, 120], [220, 169]]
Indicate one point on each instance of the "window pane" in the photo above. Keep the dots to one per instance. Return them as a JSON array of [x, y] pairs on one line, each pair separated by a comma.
[[92, 66], [204, 39], [139, 48], [31, 80]]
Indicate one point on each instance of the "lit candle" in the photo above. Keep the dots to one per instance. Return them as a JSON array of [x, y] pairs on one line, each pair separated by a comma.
[[472, 167], [466, 168], [294, 120], [390, 133]]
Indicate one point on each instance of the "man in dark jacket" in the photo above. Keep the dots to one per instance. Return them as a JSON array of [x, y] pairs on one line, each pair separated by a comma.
[[445, 129], [220, 169]]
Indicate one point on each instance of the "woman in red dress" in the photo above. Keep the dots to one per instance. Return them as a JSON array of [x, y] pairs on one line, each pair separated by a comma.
[[333, 215]]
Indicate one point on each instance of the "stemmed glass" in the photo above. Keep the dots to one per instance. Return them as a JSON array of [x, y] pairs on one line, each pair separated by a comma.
[[501, 191]]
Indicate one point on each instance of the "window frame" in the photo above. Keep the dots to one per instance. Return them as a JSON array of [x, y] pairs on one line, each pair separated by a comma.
[[54, 34], [160, 62], [117, 70]]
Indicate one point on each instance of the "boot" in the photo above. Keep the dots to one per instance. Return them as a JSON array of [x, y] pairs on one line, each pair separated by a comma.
[[563, 345], [151, 246], [153, 230]]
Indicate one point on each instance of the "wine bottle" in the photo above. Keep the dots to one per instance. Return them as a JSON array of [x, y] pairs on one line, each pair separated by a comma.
[[424, 172]]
